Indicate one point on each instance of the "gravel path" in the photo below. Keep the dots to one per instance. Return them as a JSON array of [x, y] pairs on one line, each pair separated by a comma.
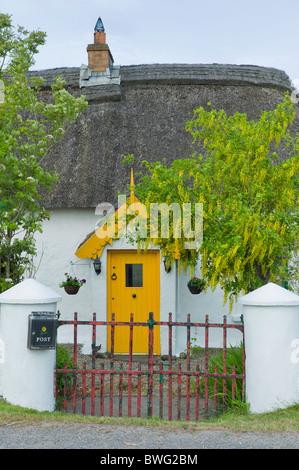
[[130, 438]]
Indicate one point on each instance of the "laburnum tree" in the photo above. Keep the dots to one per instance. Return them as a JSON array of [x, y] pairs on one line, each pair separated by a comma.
[[247, 180], [29, 128]]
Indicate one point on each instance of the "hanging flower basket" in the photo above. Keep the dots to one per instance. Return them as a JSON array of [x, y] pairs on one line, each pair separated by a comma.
[[196, 285], [71, 285], [195, 289], [71, 290]]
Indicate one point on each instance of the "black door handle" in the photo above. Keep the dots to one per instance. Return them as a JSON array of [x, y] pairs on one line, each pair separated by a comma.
[[134, 295]]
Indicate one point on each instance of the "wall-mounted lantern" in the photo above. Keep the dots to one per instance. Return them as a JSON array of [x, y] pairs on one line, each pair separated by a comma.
[[97, 264]]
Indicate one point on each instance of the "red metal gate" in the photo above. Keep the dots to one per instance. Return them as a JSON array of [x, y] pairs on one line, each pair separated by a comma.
[[186, 387]]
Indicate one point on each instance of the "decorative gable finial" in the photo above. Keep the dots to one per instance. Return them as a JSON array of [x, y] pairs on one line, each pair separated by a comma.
[[99, 26]]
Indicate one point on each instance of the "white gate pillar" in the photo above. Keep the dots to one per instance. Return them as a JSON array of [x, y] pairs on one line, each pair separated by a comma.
[[271, 324], [26, 375]]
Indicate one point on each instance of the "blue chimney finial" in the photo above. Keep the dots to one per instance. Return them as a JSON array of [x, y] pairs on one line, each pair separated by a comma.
[[99, 26]]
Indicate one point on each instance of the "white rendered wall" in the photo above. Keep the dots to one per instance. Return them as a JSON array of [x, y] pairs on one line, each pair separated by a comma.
[[198, 306]]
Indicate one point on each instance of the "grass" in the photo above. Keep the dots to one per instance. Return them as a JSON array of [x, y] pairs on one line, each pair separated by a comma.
[[284, 420]]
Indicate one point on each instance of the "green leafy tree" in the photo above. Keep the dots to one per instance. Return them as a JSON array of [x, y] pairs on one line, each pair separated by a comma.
[[247, 180], [29, 128]]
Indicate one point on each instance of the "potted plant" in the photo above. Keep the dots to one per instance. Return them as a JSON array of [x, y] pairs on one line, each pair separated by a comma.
[[72, 284], [196, 285]]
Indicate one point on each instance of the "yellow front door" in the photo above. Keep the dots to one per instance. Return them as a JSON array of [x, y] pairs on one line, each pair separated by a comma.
[[133, 282]]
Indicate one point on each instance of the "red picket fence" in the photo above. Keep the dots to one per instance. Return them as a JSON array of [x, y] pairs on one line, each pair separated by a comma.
[[140, 388]]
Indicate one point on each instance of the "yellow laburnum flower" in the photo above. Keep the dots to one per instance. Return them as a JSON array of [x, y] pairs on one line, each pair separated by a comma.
[[232, 253], [177, 253]]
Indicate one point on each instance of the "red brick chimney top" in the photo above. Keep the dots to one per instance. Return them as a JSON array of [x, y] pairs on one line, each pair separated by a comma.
[[99, 55]]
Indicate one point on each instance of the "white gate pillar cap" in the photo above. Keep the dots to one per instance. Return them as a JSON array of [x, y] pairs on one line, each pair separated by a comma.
[[29, 291], [270, 294]]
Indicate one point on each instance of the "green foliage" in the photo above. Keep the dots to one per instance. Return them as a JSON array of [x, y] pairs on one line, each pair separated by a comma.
[[234, 357], [196, 282], [62, 356], [29, 128], [247, 180]]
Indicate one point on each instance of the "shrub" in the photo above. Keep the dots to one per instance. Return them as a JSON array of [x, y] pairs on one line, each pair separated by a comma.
[[62, 356], [234, 357]]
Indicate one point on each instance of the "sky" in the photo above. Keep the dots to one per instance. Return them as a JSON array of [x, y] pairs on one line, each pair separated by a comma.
[[257, 32]]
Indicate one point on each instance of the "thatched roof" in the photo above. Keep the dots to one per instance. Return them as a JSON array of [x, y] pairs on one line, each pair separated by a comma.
[[145, 114]]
